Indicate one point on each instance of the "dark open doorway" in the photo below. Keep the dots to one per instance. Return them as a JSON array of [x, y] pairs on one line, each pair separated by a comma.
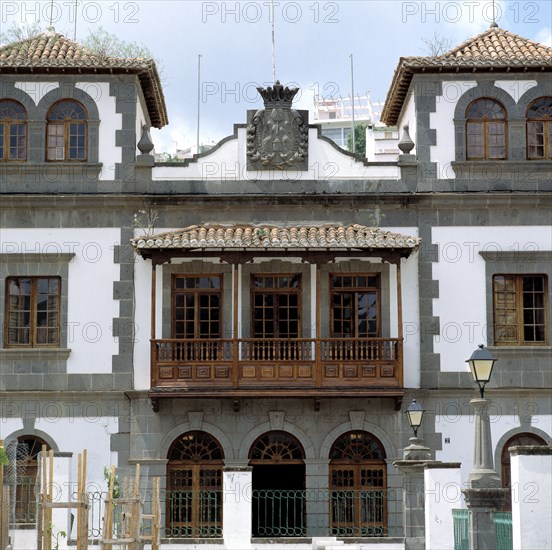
[[278, 486]]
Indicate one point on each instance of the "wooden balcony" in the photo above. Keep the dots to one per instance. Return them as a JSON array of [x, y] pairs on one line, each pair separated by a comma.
[[327, 367]]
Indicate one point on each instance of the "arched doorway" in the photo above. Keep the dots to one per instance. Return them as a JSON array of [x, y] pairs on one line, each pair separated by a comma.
[[358, 486], [278, 461], [27, 467], [194, 487], [505, 470]]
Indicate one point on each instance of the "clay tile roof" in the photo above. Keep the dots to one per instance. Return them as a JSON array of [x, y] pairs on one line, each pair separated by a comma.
[[272, 237], [494, 49], [52, 52]]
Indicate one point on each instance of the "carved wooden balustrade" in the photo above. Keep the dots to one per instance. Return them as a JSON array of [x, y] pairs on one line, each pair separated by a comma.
[[306, 366]]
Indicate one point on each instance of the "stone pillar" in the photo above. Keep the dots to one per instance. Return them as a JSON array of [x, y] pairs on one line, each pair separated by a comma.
[[237, 507], [443, 483], [484, 495], [317, 502], [413, 502], [531, 502], [412, 468]]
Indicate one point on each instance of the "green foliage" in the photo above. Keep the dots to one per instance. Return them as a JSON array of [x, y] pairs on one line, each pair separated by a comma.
[[17, 34], [116, 485], [360, 139], [56, 534], [4, 461], [106, 44]]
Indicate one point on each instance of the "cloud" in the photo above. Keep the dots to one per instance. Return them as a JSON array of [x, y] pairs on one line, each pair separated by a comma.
[[544, 36]]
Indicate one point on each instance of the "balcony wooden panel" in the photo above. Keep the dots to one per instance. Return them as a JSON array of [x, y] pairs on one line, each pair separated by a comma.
[[284, 367]]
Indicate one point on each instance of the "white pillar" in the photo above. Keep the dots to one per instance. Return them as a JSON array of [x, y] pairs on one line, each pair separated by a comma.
[[237, 508], [443, 493], [531, 489]]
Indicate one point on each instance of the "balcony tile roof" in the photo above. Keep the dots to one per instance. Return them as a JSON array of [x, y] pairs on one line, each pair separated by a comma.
[[272, 237], [493, 50], [53, 53]]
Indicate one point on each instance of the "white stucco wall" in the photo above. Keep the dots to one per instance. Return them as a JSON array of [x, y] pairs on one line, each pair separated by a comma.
[[37, 90], [442, 120], [9, 425], [91, 432], [140, 121], [228, 163], [110, 122], [516, 88], [408, 116], [462, 304], [142, 281], [459, 430], [91, 307]]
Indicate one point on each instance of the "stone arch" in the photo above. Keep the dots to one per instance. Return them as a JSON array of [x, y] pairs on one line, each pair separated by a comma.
[[168, 439], [519, 430], [543, 89], [68, 91], [35, 433], [491, 92], [481, 91], [9, 91], [259, 430], [338, 431]]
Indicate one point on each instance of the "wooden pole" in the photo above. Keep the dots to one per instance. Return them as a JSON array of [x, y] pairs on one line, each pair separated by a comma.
[[156, 513], [400, 323], [318, 345], [4, 507], [153, 297], [235, 327]]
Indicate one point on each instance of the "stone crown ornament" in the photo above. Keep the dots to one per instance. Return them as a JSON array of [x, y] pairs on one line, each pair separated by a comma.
[[277, 96]]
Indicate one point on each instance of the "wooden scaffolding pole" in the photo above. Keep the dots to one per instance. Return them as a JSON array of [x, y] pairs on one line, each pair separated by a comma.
[[45, 528], [4, 507]]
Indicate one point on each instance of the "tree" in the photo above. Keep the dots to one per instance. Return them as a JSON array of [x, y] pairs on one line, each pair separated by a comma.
[[436, 45], [360, 139], [106, 44], [17, 34]]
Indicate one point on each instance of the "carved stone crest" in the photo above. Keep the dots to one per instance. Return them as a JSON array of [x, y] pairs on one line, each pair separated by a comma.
[[277, 136]]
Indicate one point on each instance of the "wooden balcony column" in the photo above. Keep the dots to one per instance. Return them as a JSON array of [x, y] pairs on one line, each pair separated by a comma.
[[153, 296], [400, 321], [318, 345], [235, 324]]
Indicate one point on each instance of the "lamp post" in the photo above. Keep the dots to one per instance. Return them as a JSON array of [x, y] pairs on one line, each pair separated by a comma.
[[415, 458], [484, 494], [415, 450]]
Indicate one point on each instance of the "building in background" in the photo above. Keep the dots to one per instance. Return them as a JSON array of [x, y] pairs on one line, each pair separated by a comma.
[[270, 304]]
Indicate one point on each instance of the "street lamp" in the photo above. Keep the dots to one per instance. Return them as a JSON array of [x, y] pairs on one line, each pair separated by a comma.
[[484, 494], [481, 365], [415, 414], [416, 449]]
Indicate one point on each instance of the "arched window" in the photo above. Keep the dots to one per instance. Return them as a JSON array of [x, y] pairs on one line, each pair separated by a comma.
[[67, 131], [358, 483], [278, 461], [24, 475], [194, 487], [485, 130], [539, 129], [505, 470], [13, 130]]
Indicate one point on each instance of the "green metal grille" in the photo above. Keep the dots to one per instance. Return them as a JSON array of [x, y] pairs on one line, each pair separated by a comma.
[[194, 514], [279, 513], [503, 530], [461, 537]]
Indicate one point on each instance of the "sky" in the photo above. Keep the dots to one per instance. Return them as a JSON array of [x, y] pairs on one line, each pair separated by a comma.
[[313, 43]]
